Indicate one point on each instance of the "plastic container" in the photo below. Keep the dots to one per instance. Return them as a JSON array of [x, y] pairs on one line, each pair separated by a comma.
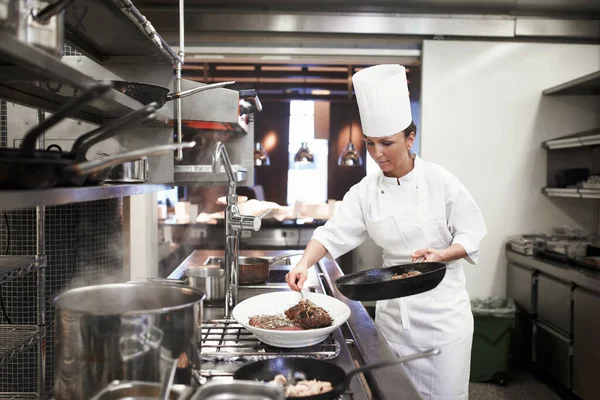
[[492, 336]]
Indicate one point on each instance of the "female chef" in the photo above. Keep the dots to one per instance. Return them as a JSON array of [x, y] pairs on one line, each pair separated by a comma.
[[412, 209]]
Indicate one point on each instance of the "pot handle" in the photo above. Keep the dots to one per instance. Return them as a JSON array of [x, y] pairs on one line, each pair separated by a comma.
[[284, 256], [51, 10], [189, 92], [165, 280], [428, 353], [87, 167]]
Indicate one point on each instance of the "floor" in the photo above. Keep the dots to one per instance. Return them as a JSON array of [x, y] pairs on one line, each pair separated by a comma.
[[522, 385]]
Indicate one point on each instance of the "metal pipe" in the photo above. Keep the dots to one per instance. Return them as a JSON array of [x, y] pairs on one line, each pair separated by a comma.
[[178, 67]]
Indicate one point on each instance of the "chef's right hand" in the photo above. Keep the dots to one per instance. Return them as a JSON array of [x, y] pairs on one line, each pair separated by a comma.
[[296, 277]]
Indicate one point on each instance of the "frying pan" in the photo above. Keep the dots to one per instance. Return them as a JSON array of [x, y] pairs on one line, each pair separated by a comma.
[[147, 93], [308, 368], [256, 269], [377, 284]]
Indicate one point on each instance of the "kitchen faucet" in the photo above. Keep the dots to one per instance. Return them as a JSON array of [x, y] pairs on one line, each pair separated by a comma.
[[234, 224]]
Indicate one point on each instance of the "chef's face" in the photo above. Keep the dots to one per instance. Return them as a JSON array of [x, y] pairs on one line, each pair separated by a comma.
[[390, 152]]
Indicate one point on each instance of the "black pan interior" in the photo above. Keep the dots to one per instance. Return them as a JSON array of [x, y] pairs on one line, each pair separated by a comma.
[[378, 275], [266, 370], [145, 93]]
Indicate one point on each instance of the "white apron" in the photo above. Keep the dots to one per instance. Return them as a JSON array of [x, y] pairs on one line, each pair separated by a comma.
[[439, 318]]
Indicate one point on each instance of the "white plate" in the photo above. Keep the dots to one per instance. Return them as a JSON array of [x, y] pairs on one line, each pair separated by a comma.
[[277, 303]]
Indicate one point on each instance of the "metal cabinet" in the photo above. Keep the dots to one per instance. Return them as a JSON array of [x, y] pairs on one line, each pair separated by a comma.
[[586, 344], [553, 353], [521, 286], [554, 302]]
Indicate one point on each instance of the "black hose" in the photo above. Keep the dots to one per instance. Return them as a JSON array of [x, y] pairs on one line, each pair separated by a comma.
[[6, 248]]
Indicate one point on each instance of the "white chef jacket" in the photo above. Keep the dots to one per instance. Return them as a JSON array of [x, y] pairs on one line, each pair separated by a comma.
[[428, 207]]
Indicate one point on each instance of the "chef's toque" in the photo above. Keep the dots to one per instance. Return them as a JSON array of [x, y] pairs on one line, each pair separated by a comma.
[[383, 101]]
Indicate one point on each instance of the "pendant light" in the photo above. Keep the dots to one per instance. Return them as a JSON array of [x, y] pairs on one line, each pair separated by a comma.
[[350, 157], [304, 155], [261, 157]]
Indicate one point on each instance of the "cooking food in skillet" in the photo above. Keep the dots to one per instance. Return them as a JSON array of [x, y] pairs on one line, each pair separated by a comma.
[[302, 388], [304, 315], [406, 274]]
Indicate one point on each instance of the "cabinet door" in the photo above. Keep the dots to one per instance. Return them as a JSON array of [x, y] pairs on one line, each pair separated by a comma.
[[553, 353], [586, 344], [520, 286], [554, 302]]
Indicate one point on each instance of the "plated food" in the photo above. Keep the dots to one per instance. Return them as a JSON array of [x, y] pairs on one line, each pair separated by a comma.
[[304, 315]]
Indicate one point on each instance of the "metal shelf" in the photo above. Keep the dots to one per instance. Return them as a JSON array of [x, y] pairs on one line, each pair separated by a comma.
[[14, 339], [12, 267], [586, 85], [581, 139], [34, 78], [12, 199], [573, 193], [86, 23]]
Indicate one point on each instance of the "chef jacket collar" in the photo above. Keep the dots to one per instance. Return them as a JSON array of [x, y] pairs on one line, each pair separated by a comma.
[[409, 178]]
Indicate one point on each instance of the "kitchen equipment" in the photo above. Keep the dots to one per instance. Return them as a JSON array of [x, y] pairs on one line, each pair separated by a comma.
[[165, 386], [118, 390], [135, 171], [569, 248], [295, 369], [210, 280], [239, 390], [255, 270], [275, 304], [125, 331], [527, 244], [147, 93], [377, 284]]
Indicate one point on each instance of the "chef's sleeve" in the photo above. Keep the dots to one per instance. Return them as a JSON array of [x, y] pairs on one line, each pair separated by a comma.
[[465, 219], [346, 229]]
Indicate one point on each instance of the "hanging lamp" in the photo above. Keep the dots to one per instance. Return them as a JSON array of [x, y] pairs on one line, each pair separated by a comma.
[[261, 157], [350, 157], [304, 155]]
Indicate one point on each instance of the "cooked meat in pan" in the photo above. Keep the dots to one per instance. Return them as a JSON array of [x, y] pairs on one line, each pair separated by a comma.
[[303, 388], [406, 275]]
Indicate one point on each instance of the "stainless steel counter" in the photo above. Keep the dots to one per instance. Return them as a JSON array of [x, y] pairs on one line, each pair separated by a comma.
[[360, 343]]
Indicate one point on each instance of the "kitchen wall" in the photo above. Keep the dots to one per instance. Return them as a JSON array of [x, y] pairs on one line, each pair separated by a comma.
[[484, 119]]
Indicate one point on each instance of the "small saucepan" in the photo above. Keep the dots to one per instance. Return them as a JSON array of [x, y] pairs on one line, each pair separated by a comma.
[[295, 369], [210, 280], [254, 270]]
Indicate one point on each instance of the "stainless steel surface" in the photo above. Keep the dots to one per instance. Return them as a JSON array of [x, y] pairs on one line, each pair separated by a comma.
[[130, 172], [235, 223], [167, 383], [239, 390], [12, 267], [588, 84], [14, 339], [560, 192], [521, 286], [195, 174], [41, 24], [541, 27], [118, 390], [210, 280], [226, 340], [15, 199], [554, 302], [131, 331], [586, 341], [553, 353]]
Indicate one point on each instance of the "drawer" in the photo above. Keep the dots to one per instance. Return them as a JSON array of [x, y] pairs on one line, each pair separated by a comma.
[[554, 302], [586, 342], [522, 340], [553, 353], [521, 286]]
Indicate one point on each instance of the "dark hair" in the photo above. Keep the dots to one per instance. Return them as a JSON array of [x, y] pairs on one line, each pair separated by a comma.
[[411, 128]]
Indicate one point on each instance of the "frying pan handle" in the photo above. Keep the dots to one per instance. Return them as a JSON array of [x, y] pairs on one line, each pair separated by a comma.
[[189, 92], [82, 144], [87, 167], [428, 353], [64, 111], [51, 10]]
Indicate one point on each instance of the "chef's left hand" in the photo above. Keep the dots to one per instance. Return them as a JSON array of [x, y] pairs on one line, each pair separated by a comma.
[[429, 254]]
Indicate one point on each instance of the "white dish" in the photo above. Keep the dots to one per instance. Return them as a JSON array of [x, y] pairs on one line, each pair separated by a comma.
[[277, 303]]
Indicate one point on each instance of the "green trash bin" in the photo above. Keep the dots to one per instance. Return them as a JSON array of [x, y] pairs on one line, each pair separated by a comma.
[[494, 324]]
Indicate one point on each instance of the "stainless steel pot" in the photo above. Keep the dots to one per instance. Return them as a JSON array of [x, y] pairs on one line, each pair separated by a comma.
[[126, 331], [141, 391], [208, 279], [130, 172]]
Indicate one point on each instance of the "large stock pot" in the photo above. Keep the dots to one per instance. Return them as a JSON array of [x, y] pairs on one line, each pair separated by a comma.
[[127, 332]]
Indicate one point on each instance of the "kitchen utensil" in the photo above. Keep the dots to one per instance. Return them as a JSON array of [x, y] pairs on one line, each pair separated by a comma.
[[239, 390], [136, 390], [165, 386], [96, 325], [255, 270], [277, 303], [308, 369], [210, 280], [135, 171], [377, 284], [147, 93]]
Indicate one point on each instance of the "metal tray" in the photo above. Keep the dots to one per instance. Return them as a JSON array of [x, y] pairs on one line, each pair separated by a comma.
[[135, 390], [239, 390]]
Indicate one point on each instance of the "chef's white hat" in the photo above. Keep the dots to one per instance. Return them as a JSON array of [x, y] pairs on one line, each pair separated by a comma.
[[382, 97]]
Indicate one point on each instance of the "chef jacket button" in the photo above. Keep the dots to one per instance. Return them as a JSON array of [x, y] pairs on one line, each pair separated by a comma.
[[382, 192]]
